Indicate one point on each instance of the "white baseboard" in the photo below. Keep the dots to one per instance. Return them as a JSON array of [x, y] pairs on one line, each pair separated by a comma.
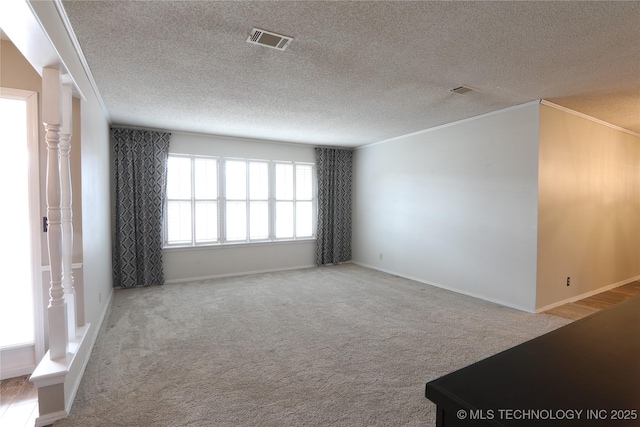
[[68, 371], [17, 372], [448, 288], [17, 360], [50, 418], [243, 273], [587, 294], [92, 337]]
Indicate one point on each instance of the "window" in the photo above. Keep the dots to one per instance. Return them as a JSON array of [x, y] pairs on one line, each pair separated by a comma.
[[247, 197], [294, 200], [216, 200]]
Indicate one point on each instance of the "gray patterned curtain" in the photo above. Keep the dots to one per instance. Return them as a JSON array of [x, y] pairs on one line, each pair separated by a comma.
[[333, 244], [140, 162]]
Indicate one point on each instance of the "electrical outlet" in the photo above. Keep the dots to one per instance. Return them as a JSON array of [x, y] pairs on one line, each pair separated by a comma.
[[568, 281], [381, 257], [100, 297]]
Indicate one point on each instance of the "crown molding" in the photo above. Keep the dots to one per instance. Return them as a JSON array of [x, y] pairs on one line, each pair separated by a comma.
[[587, 117]]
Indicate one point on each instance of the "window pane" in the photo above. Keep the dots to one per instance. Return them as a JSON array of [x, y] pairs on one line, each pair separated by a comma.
[[304, 182], [284, 181], [236, 179], [284, 219], [258, 180], [179, 222], [236, 221], [304, 219], [179, 178], [206, 179], [259, 220], [206, 221]]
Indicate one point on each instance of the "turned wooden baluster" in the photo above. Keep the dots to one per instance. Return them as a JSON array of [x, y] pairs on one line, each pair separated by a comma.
[[67, 215], [58, 333]]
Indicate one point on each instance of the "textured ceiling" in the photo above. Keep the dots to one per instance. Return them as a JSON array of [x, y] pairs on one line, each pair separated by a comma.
[[356, 72]]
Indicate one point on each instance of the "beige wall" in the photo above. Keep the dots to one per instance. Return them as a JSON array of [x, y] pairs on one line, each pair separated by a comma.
[[17, 73], [588, 206]]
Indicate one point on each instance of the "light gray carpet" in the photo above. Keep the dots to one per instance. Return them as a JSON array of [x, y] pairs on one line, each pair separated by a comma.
[[332, 346]]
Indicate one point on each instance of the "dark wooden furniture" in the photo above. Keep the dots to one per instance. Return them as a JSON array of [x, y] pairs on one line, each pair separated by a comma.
[[591, 365]]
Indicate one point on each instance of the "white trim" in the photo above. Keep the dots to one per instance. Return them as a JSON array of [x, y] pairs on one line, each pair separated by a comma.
[[93, 337], [587, 117], [244, 273], [50, 372], [26, 31], [57, 371], [222, 136], [50, 418], [459, 291], [17, 360], [205, 247], [22, 26], [454, 123], [7, 92], [17, 372], [33, 139], [587, 294]]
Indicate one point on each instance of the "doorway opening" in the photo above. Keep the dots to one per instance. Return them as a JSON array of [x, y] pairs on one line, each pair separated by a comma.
[[21, 340]]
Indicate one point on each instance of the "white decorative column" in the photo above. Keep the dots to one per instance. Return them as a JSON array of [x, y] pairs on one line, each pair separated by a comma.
[[58, 374], [67, 215], [57, 310]]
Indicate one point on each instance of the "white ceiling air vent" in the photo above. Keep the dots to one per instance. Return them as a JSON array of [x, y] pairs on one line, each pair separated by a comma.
[[461, 90], [269, 39]]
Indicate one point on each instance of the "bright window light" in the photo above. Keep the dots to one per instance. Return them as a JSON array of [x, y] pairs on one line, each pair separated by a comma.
[[16, 303], [212, 200]]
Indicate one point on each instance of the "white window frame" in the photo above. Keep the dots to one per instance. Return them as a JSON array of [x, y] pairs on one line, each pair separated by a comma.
[[192, 200], [294, 200], [222, 207]]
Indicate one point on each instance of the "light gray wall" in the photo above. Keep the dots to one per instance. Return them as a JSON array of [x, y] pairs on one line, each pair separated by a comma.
[[96, 211], [454, 206], [213, 145], [589, 207], [182, 264]]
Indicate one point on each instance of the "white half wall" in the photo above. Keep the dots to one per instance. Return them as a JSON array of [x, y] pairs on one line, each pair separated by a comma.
[[95, 160], [454, 206], [58, 381], [96, 211], [183, 264]]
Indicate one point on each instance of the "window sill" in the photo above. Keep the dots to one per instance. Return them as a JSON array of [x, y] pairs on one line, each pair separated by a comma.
[[236, 245]]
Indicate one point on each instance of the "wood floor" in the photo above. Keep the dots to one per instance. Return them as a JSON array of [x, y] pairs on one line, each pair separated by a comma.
[[18, 402], [579, 309], [19, 397]]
